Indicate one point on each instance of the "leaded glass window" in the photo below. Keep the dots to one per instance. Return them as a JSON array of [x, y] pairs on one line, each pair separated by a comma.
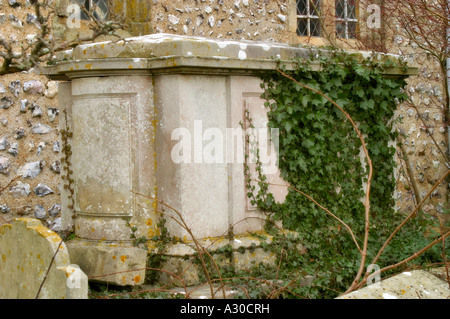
[[346, 20], [308, 18], [99, 8]]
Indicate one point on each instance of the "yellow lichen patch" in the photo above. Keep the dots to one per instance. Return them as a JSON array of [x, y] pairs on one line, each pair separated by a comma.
[[185, 238], [403, 291], [113, 257], [4, 228], [151, 233], [123, 258], [137, 279], [88, 66], [149, 222], [4, 258], [130, 66]]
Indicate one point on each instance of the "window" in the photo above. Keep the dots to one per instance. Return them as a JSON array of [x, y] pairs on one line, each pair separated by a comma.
[[346, 19], [308, 18], [99, 8]]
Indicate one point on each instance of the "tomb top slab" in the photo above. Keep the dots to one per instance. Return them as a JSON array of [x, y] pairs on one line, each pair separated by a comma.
[[167, 53]]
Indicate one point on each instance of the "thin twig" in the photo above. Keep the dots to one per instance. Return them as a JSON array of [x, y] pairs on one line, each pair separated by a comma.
[[48, 270]]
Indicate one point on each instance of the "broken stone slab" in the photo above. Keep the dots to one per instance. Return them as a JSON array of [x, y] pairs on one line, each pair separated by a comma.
[[117, 263], [417, 284], [26, 251]]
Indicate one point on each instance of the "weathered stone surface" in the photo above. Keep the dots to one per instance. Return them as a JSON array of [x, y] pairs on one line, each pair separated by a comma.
[[26, 251], [417, 284], [116, 263], [161, 52], [241, 253]]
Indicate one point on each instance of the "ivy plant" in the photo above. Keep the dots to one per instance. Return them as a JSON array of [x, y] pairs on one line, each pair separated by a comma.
[[320, 154]]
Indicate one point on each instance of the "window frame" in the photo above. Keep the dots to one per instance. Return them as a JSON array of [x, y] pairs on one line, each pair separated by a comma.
[[308, 17], [328, 25], [346, 20], [91, 4]]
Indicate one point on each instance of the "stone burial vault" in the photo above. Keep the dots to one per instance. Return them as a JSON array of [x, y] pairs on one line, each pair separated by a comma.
[[125, 109]]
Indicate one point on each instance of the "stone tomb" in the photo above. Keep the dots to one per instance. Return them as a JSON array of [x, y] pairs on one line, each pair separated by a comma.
[[154, 123], [26, 252]]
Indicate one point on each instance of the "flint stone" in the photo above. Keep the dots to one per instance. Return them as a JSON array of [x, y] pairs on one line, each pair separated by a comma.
[[31, 18], [6, 102], [52, 112], [56, 226], [4, 209], [41, 129], [20, 190], [2, 20], [3, 143], [52, 89], [31, 170], [173, 19], [4, 165], [56, 147], [15, 22], [2, 87], [56, 167], [23, 106], [33, 87], [20, 133], [14, 3], [26, 242], [42, 190], [37, 111], [39, 212], [14, 149], [23, 210], [54, 210], [14, 87]]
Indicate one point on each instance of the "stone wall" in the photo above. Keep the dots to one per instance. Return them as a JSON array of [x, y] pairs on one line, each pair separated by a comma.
[[236, 19], [29, 138]]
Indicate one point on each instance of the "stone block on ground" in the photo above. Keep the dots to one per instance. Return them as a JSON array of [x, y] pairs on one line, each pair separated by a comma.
[[417, 284], [119, 264], [26, 252]]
